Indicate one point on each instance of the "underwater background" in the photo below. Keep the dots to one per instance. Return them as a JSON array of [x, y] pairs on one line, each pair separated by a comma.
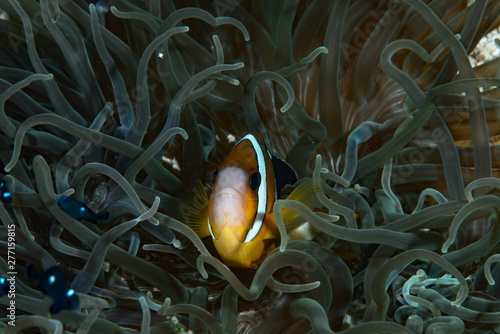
[[114, 112]]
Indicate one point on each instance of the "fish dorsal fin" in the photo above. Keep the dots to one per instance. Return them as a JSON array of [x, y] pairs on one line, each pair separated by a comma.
[[283, 174]]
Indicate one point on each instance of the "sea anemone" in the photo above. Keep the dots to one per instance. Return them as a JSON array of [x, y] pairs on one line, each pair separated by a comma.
[[126, 108]]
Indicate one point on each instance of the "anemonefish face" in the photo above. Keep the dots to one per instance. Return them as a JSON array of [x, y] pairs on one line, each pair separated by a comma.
[[240, 204]]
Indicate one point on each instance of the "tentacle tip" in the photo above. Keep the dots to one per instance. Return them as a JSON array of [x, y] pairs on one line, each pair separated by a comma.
[[176, 244], [234, 82], [67, 192], [185, 136], [201, 267], [154, 221], [444, 249], [163, 309], [287, 106]]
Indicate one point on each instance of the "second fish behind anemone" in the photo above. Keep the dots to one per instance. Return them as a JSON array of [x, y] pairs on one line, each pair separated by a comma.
[[5, 193], [79, 210], [53, 284]]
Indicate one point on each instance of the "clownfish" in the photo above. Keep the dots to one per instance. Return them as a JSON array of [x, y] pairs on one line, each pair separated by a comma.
[[239, 214], [53, 284], [79, 210]]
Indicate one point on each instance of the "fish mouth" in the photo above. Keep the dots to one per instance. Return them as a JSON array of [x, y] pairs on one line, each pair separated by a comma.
[[229, 193]]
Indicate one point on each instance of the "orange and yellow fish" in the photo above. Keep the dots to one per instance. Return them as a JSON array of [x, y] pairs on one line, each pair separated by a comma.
[[240, 216]]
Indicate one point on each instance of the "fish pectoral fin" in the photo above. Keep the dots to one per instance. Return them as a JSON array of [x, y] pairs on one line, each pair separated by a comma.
[[193, 210], [304, 193]]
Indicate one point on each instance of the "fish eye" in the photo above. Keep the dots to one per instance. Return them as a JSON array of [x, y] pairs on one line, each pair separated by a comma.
[[255, 181], [214, 174]]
